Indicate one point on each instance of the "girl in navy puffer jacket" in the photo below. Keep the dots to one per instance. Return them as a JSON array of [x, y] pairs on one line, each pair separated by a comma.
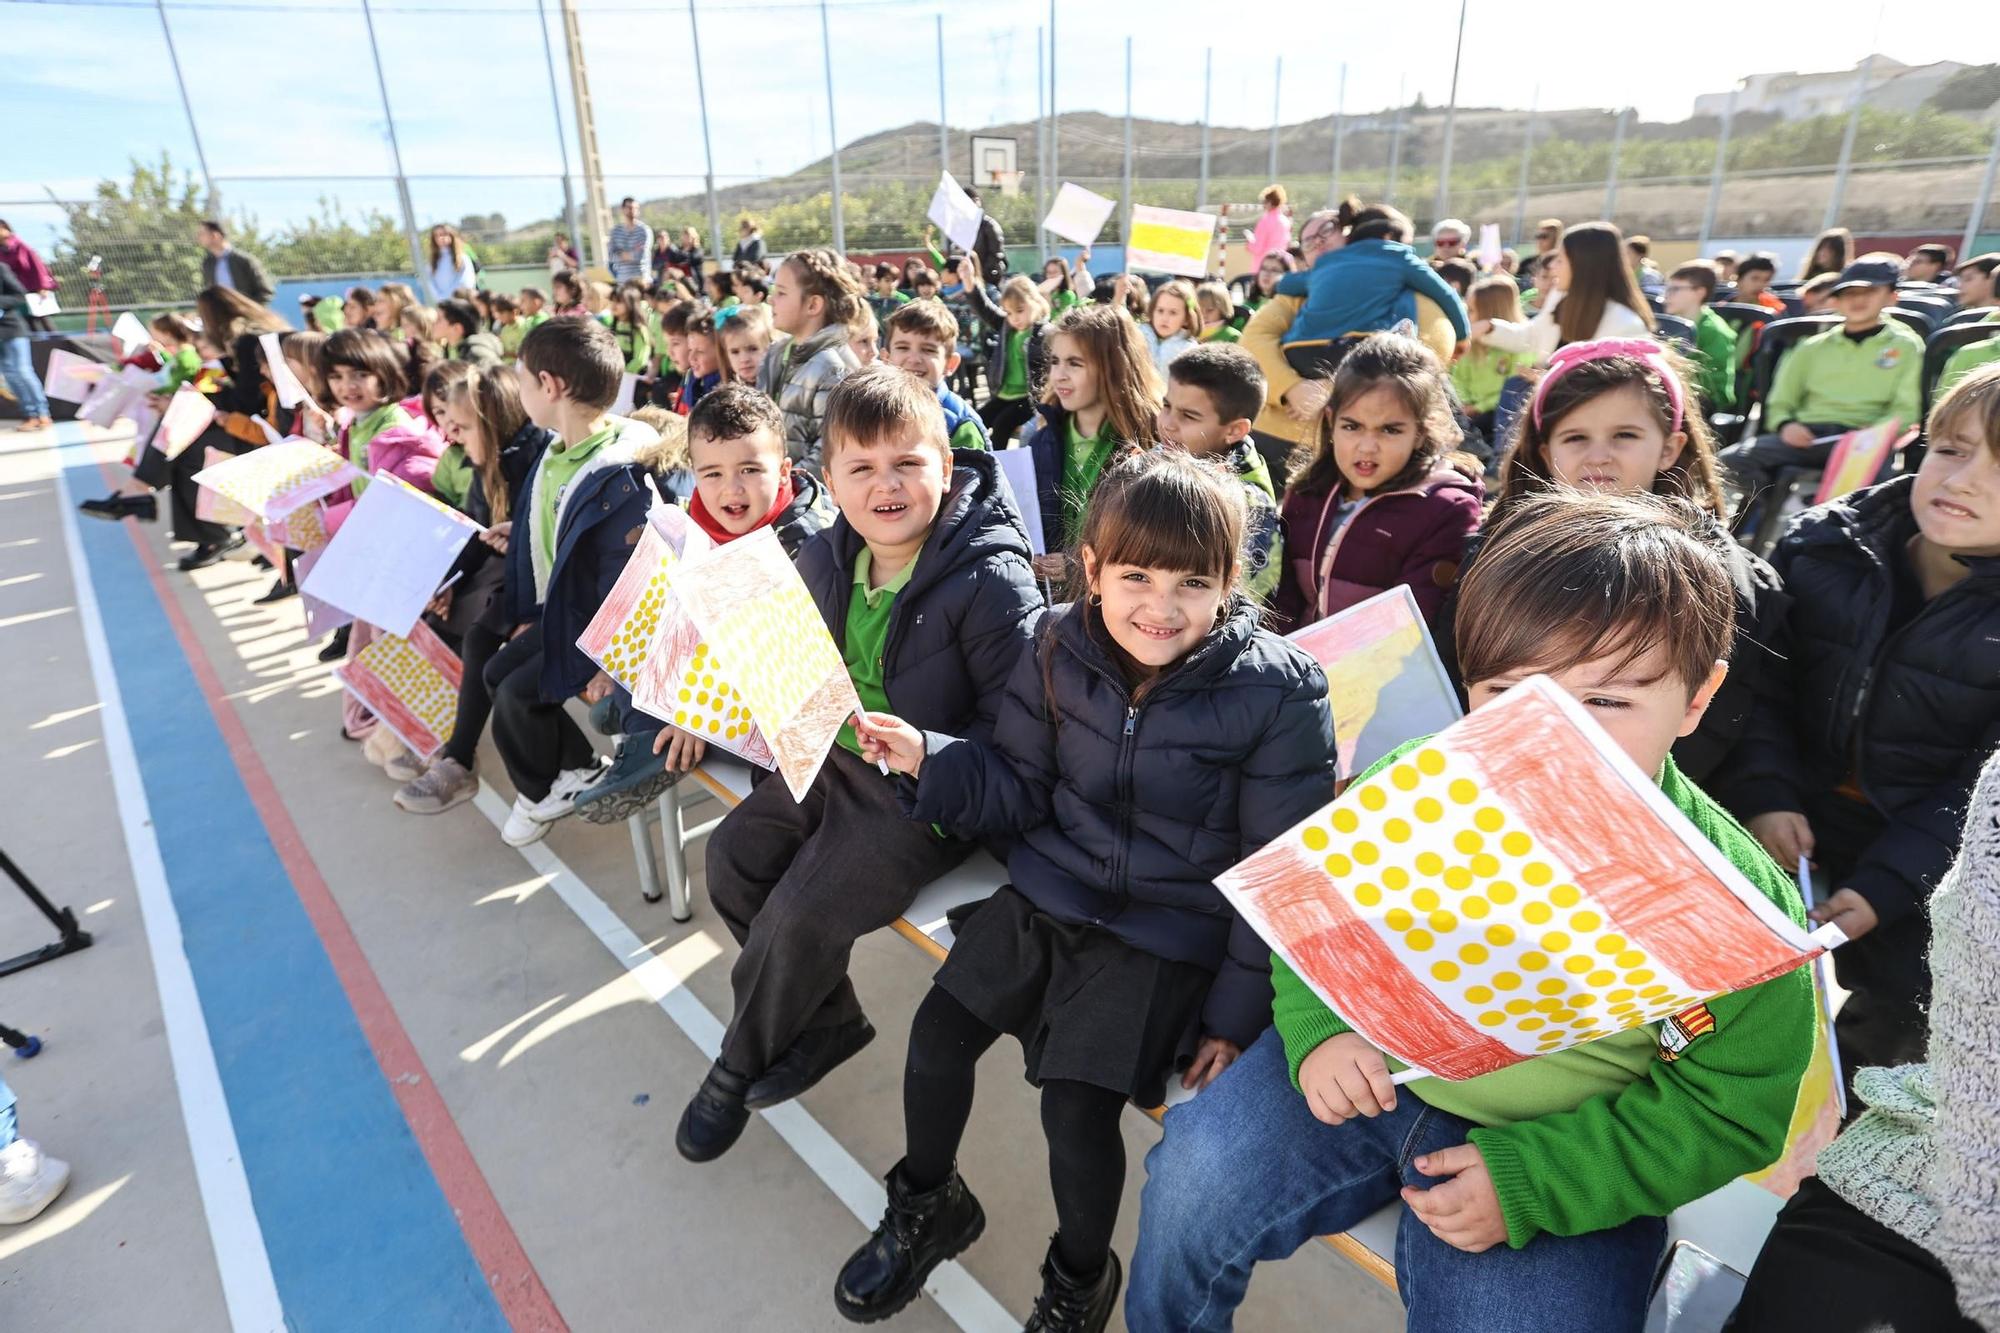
[[1155, 738]]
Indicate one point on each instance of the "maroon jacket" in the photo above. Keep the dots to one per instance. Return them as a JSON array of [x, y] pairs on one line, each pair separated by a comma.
[[16, 254], [1415, 535]]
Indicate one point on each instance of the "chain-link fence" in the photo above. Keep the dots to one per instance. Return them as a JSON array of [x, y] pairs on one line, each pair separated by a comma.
[[706, 93]]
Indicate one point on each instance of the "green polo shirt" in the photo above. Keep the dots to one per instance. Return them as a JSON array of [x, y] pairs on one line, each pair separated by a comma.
[[1084, 457], [451, 480], [559, 464], [1014, 377], [868, 612]]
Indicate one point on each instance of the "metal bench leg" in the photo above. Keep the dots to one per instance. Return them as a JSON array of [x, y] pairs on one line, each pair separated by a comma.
[[645, 857], [673, 837]]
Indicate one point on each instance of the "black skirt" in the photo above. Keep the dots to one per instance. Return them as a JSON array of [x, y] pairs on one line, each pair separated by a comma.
[[1085, 1005]]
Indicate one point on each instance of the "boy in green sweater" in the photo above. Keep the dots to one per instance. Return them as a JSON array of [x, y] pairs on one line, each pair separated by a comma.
[[1867, 371], [1536, 1196], [1211, 401], [1689, 290]]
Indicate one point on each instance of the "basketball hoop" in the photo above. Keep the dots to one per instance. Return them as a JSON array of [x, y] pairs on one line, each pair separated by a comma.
[[1007, 182], [995, 164]]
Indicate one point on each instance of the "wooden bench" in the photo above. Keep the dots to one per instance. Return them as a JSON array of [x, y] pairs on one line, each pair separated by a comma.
[[1729, 1224]]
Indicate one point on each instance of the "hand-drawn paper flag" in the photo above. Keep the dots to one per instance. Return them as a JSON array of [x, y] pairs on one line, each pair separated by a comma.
[[213, 506], [410, 685], [1078, 214], [385, 562], [188, 414], [1169, 240], [1383, 676], [276, 479], [1821, 1104], [1857, 460], [753, 610], [1514, 886], [71, 377]]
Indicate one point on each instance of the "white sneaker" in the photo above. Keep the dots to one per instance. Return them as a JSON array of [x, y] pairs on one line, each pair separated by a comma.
[[560, 803], [30, 1180], [522, 827]]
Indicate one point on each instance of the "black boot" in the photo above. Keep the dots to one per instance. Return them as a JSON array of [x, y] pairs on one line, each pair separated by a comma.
[[279, 591], [336, 648], [636, 776], [918, 1232], [208, 553], [1073, 1304], [817, 1053], [715, 1118], [116, 506]]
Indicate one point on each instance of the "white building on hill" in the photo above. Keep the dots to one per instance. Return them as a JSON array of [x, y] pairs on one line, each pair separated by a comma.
[[1892, 85]]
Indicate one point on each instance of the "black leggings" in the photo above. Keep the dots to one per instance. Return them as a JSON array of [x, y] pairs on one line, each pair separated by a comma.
[[1004, 416], [536, 739], [1079, 1120], [475, 697]]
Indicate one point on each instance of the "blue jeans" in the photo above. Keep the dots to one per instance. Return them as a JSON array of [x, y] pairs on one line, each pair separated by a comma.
[[17, 363], [9, 1130], [1245, 1173]]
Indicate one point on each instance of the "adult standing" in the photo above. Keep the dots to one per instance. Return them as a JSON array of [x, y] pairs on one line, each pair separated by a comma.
[[990, 245], [452, 266], [563, 256], [749, 242], [1548, 235], [631, 246], [16, 361], [687, 257], [33, 274], [1273, 231], [229, 268]]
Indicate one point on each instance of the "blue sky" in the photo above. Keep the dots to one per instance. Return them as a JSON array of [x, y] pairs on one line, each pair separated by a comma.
[[286, 95]]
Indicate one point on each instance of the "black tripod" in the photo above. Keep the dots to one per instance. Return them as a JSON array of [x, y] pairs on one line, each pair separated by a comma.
[[70, 940]]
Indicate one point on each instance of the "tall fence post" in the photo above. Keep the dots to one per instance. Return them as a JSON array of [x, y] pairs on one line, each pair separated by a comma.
[[833, 131], [1527, 152], [194, 131], [1839, 192], [1207, 100], [1277, 99], [1125, 215], [1339, 117], [944, 135], [555, 104], [1042, 182], [1055, 116], [1977, 220], [1611, 174], [1715, 176], [396, 154], [707, 151], [1450, 119], [1395, 143]]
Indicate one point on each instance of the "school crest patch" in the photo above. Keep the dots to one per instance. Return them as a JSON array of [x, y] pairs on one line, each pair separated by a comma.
[[1888, 358], [1680, 1031]]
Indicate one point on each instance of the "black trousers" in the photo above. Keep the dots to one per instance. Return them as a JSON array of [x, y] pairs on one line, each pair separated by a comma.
[[1888, 984], [536, 739], [1828, 1267], [797, 882], [1079, 1120], [1758, 460], [1004, 416], [176, 476], [475, 696]]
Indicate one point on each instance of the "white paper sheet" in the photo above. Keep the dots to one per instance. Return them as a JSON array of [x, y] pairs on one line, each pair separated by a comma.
[[130, 333], [390, 554], [1078, 214], [290, 392], [1489, 245], [1018, 467], [954, 212], [188, 414], [43, 304], [71, 377]]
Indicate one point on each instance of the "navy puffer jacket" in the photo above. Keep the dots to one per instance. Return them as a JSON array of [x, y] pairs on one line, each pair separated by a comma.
[[1128, 808], [1910, 715], [957, 627]]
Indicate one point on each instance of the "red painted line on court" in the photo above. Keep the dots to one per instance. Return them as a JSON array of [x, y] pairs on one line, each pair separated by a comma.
[[515, 1283]]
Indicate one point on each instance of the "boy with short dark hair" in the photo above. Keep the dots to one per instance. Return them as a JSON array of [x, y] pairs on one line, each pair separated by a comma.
[[1754, 274], [923, 339], [1975, 280], [534, 302], [464, 334], [1868, 370], [1929, 263], [925, 583], [1214, 392], [1536, 1196], [1689, 290], [574, 527], [512, 328]]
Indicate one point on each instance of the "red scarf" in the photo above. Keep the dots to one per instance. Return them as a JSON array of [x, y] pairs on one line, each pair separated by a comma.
[[723, 536]]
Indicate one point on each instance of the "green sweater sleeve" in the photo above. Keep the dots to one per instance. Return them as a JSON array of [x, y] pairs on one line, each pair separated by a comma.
[[1787, 390], [1907, 406], [1715, 344], [1721, 1109]]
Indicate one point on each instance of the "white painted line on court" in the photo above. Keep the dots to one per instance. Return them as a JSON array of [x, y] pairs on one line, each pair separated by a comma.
[[248, 1289], [956, 1291]]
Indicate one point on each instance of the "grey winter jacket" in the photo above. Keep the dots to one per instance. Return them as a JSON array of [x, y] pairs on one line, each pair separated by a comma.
[[798, 376]]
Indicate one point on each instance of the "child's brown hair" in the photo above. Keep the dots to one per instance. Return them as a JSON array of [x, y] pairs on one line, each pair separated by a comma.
[[824, 274], [1127, 381], [1022, 290], [1971, 408], [670, 452], [369, 352], [1181, 290], [1406, 368], [926, 317], [1496, 296], [1693, 475], [882, 402], [1599, 274], [1217, 305], [1567, 576], [170, 325], [1700, 273], [581, 353]]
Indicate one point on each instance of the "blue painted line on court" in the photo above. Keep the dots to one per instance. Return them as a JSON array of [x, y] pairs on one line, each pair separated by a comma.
[[360, 1234]]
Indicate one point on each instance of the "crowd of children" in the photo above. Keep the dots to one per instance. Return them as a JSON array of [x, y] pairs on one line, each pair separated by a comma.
[[1121, 716]]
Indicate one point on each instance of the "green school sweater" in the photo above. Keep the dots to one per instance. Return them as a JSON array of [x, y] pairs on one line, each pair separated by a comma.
[[363, 431], [1084, 457], [1715, 355], [1014, 375], [1222, 333], [560, 464], [451, 480], [511, 336], [636, 345], [182, 367], [1832, 379], [1263, 540], [967, 435], [1585, 1139], [1477, 377], [868, 612], [1968, 359]]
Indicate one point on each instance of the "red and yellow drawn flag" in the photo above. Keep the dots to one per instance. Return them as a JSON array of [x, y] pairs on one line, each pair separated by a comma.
[[1170, 240], [410, 685], [1514, 886]]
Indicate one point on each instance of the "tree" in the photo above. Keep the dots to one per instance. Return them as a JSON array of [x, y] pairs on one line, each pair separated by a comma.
[[144, 233]]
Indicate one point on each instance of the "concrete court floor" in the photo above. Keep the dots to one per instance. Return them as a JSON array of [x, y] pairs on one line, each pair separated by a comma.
[[560, 1073]]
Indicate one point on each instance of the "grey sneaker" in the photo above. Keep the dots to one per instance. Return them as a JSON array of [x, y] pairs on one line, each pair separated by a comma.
[[441, 786], [404, 766], [635, 777]]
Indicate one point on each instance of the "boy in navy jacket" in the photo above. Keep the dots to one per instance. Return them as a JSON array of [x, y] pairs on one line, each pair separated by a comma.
[[924, 581]]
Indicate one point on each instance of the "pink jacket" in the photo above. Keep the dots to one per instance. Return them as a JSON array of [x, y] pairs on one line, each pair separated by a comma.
[[1271, 235], [409, 453]]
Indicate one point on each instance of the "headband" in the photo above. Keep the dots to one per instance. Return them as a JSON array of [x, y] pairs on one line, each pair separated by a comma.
[[1572, 355]]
